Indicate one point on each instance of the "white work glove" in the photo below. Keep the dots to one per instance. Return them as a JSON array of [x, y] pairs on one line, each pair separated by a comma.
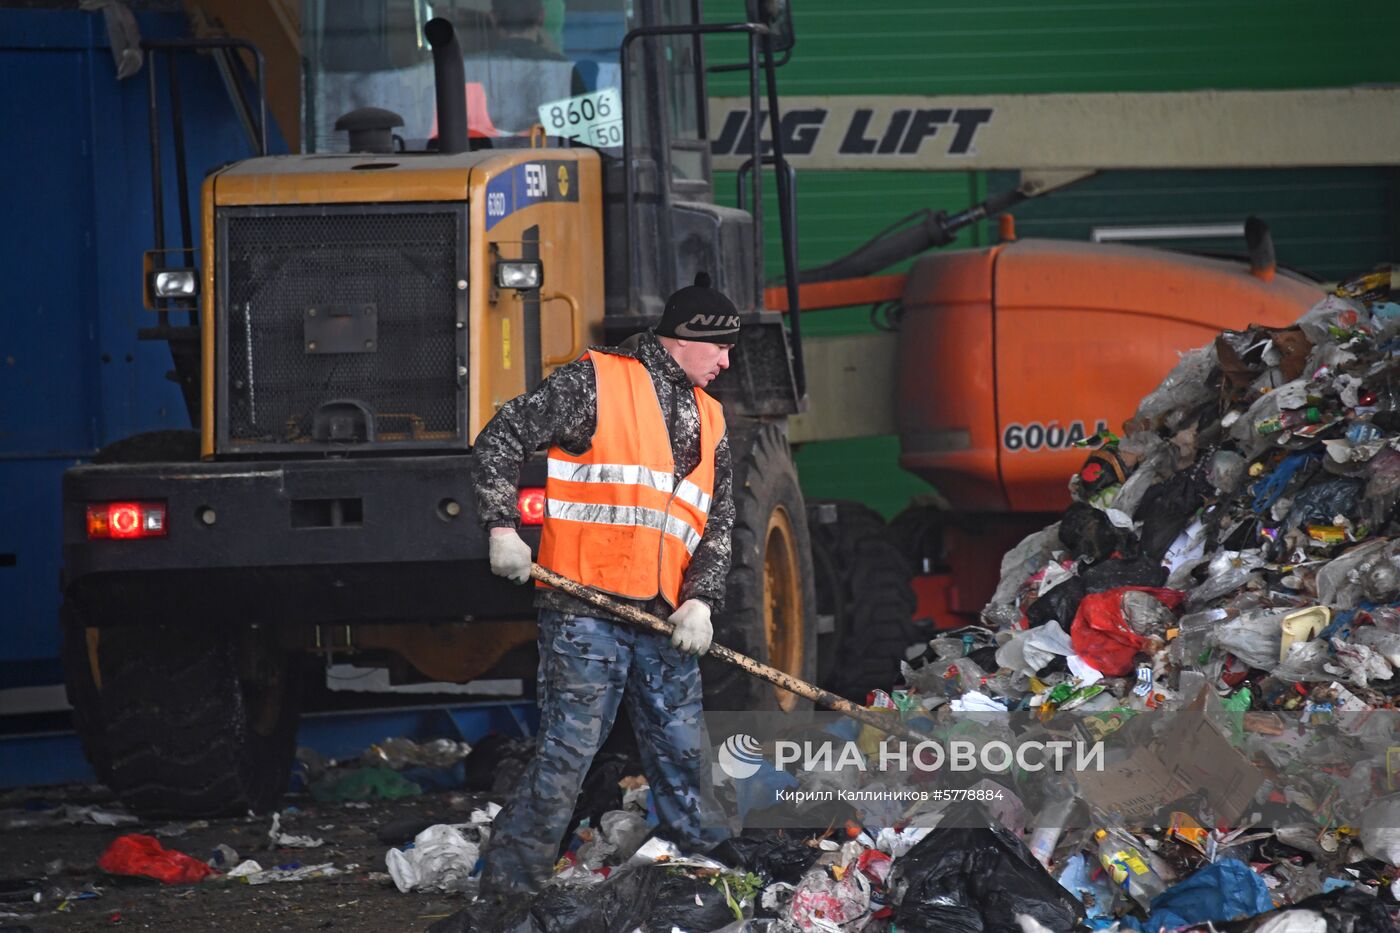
[[510, 556], [693, 630]]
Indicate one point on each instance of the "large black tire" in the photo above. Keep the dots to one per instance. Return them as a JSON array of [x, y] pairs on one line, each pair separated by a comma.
[[81, 669], [80, 684], [198, 723], [864, 597], [770, 604]]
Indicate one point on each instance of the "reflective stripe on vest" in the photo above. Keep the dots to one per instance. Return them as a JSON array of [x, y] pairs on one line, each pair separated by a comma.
[[686, 491], [616, 517], [625, 515]]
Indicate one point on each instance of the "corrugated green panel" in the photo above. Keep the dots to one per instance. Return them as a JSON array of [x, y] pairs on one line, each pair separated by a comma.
[[1040, 46], [1328, 222]]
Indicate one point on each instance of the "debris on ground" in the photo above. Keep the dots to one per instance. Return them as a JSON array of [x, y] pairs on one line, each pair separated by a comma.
[[364, 784], [1241, 560], [66, 814], [276, 838]]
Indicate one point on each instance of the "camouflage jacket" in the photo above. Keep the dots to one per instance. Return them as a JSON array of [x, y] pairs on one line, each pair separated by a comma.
[[563, 410]]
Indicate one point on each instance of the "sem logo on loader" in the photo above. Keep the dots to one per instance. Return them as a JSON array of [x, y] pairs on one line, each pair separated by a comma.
[[1052, 436], [903, 133], [528, 184]]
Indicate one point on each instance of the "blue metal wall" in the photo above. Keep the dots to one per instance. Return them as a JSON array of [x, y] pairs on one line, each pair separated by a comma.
[[76, 218]]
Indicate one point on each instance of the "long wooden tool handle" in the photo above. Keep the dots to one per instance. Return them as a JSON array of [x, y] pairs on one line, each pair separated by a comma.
[[756, 668]]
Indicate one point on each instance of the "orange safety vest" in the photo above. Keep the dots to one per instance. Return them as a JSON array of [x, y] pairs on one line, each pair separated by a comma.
[[616, 519]]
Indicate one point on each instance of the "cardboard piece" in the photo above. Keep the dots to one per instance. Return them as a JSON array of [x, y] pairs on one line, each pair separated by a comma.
[[1190, 756]]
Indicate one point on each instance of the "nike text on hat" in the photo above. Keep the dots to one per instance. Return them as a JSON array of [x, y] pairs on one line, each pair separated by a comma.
[[699, 312]]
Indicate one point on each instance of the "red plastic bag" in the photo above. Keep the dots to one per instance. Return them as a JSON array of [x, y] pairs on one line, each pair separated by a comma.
[[144, 856], [1102, 637]]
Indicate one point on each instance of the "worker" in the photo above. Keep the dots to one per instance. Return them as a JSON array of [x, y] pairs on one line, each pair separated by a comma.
[[639, 506]]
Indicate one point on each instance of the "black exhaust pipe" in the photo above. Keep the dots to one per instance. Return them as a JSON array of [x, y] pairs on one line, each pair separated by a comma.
[[450, 83]]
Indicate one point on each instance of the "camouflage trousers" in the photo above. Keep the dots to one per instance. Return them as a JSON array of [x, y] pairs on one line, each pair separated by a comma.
[[587, 667]]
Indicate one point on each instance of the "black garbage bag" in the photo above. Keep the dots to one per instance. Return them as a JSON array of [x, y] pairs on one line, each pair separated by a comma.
[[1116, 573], [1346, 910], [1167, 508], [681, 902], [601, 791], [650, 898], [494, 756], [1089, 534], [1060, 603], [1320, 502], [771, 854], [1349, 910], [976, 880], [984, 657], [490, 915]]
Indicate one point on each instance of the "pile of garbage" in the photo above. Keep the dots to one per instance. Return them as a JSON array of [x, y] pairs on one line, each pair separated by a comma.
[[1233, 556], [1237, 550]]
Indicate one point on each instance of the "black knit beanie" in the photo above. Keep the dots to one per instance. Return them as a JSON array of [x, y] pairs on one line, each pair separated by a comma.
[[699, 312]]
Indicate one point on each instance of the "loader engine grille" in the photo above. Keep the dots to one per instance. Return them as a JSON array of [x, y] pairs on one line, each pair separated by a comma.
[[338, 327]]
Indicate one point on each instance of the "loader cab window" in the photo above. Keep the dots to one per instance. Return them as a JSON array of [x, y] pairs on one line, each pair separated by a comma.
[[666, 84], [518, 55]]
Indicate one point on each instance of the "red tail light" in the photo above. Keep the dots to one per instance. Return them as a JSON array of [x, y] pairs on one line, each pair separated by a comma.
[[126, 520], [530, 502]]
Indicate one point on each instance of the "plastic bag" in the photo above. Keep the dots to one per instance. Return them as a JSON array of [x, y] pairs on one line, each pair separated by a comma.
[[1383, 480], [1226, 471], [365, 784], [441, 860], [1060, 603], [1357, 664], [496, 762], [1221, 891], [1115, 573], [1332, 312], [976, 879], [1156, 459], [1294, 921], [1227, 572], [1185, 389], [771, 854], [1145, 614], [1088, 533], [1022, 657], [1339, 583], [145, 857], [823, 904], [1386, 644], [624, 830], [1102, 637], [1166, 509], [601, 790], [1319, 503], [1254, 637], [1305, 662], [1022, 561], [1345, 910], [1380, 829], [651, 898]]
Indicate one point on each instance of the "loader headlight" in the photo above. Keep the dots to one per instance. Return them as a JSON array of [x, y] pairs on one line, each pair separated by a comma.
[[519, 274], [174, 283]]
